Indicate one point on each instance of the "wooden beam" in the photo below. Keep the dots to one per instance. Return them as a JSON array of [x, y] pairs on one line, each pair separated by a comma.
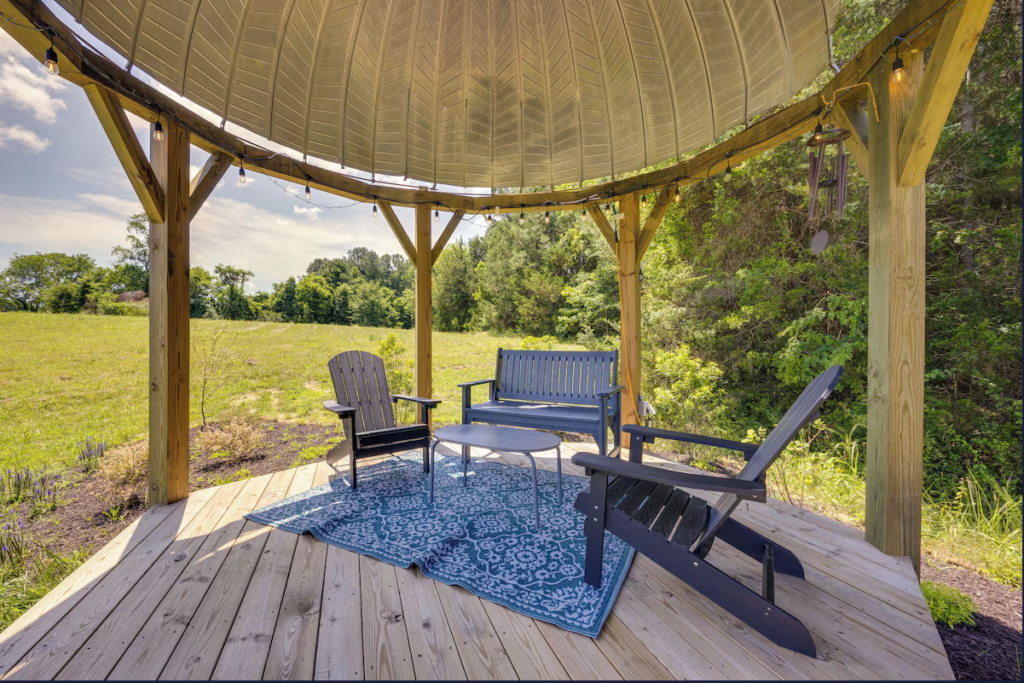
[[424, 311], [603, 225], [896, 296], [947, 64], [629, 302], [661, 204], [855, 121], [168, 321], [400, 233], [142, 99], [128, 150], [445, 236], [206, 180]]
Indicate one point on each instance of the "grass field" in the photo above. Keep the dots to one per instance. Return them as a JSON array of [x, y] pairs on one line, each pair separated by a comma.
[[67, 377]]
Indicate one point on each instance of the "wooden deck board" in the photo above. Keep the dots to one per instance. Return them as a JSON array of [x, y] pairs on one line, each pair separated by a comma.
[[193, 590]]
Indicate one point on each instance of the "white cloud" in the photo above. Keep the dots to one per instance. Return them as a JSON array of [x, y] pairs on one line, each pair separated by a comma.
[[18, 136], [115, 205], [193, 169], [31, 90], [310, 212], [9, 46]]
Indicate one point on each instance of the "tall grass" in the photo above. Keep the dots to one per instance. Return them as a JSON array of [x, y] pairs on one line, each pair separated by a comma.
[[979, 529], [22, 586]]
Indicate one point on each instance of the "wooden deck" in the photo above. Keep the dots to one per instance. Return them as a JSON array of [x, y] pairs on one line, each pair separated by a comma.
[[193, 590]]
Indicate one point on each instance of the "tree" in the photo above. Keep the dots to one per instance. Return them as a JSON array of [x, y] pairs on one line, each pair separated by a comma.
[[200, 292], [133, 259], [284, 300], [65, 297], [314, 299], [342, 305], [453, 288], [232, 303], [23, 284], [373, 305]]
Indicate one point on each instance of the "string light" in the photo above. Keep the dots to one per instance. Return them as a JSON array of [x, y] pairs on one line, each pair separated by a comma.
[[522, 217], [374, 207], [817, 132], [679, 197], [241, 173], [309, 192], [607, 209], [583, 212], [158, 131], [643, 201], [728, 168], [436, 215], [50, 59], [897, 65], [547, 217]]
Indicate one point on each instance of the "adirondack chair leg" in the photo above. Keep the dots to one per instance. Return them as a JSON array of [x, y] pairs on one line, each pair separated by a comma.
[[426, 460], [753, 544], [594, 530], [352, 470], [768, 574]]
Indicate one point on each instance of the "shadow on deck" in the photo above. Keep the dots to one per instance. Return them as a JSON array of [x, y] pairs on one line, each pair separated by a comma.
[[193, 590]]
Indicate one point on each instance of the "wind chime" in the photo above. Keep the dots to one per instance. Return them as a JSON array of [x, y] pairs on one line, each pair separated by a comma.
[[835, 183]]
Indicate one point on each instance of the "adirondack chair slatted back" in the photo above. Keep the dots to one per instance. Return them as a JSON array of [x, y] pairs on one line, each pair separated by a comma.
[[556, 376], [360, 382], [803, 412]]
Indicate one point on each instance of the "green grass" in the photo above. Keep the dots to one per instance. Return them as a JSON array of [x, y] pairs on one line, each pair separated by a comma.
[[67, 377]]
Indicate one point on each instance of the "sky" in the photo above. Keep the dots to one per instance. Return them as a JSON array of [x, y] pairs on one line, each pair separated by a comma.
[[62, 188]]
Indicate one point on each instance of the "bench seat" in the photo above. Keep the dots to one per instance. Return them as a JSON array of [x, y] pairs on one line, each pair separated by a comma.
[[590, 415]]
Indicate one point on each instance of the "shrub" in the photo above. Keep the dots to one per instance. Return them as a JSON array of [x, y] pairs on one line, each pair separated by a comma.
[[126, 465], [545, 343], [398, 369], [233, 440], [65, 297], [948, 605]]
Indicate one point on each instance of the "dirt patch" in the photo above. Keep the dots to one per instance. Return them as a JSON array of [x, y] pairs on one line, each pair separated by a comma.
[[93, 511], [311, 384], [991, 649]]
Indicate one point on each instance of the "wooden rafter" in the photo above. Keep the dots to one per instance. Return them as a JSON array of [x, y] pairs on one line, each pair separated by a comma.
[[653, 222], [128, 150], [602, 224], [206, 180], [146, 101], [400, 233], [435, 252], [947, 65]]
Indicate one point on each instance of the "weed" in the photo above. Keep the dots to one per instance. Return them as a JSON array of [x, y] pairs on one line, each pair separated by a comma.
[[115, 513], [948, 605], [43, 500], [89, 453], [24, 586], [12, 546], [127, 465], [240, 475], [233, 440], [208, 353]]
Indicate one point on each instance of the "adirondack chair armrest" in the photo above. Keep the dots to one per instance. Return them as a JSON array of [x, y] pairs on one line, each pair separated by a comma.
[[338, 409], [465, 385], [428, 402], [613, 390], [650, 433], [752, 490]]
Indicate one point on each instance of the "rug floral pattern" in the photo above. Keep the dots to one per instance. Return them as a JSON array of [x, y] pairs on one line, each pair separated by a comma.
[[479, 536]]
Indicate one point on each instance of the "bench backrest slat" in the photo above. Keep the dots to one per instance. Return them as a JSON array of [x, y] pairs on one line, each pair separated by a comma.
[[557, 376]]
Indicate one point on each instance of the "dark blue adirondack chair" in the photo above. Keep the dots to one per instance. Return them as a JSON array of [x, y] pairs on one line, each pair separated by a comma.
[[646, 507], [565, 391]]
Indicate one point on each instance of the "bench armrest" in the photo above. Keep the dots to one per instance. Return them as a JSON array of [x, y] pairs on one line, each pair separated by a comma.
[[473, 384], [614, 390], [338, 409], [752, 490], [428, 402], [650, 433]]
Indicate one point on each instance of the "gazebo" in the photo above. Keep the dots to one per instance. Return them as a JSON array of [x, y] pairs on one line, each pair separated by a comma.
[[600, 101]]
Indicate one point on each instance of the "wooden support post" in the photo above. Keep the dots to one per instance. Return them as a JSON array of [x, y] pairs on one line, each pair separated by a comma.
[[896, 290], [168, 320], [423, 262], [629, 301], [205, 181]]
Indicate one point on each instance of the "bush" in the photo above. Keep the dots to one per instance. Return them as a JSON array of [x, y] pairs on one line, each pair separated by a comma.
[[545, 343], [127, 465], [398, 369], [64, 298], [107, 304], [948, 605], [233, 440]]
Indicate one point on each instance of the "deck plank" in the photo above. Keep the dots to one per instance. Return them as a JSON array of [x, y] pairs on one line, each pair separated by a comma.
[[101, 652], [152, 648], [339, 655], [529, 652], [386, 651], [45, 660], [248, 644], [36, 622], [431, 643], [482, 653], [293, 647], [628, 654], [579, 655]]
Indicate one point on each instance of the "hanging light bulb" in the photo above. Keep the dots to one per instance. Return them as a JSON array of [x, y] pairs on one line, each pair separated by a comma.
[[241, 173], [607, 209], [547, 217], [643, 201], [375, 208], [50, 59], [679, 197], [436, 215], [309, 193], [818, 134], [158, 131], [897, 65], [583, 212], [522, 218]]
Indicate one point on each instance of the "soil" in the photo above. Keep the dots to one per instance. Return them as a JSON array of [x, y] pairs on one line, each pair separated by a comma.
[[989, 650]]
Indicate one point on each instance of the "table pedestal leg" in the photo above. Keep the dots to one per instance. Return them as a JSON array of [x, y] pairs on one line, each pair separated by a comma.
[[536, 501], [558, 452]]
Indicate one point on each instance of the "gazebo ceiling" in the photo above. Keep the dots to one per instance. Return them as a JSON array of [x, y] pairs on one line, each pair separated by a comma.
[[476, 93]]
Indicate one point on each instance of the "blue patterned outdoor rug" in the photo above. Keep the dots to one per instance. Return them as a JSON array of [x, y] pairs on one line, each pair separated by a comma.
[[480, 536]]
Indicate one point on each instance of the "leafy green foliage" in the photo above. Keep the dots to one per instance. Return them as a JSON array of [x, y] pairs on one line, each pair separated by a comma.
[[947, 604]]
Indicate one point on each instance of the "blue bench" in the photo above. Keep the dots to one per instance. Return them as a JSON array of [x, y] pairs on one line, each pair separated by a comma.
[[555, 390]]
